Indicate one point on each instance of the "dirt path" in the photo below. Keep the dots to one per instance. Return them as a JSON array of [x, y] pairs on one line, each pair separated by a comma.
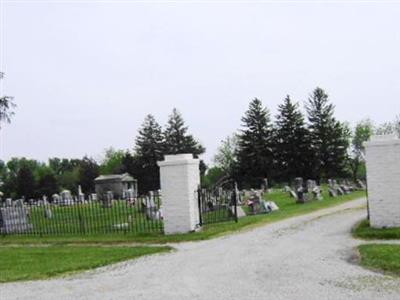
[[307, 257]]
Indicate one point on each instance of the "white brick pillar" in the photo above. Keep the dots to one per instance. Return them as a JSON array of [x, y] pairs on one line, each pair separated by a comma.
[[179, 178], [383, 179]]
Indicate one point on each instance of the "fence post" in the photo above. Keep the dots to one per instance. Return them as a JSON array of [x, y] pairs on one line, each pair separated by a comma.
[[199, 198], [235, 201]]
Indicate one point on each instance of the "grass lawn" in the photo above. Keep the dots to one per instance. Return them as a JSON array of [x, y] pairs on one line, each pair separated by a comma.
[[30, 263], [381, 257], [287, 205], [364, 231]]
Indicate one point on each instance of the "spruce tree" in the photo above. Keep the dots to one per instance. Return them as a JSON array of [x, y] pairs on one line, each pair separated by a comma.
[[291, 142], [177, 140], [329, 138], [255, 149], [148, 150]]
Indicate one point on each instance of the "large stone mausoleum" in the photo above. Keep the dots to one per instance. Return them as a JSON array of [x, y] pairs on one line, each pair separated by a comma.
[[118, 184], [383, 179]]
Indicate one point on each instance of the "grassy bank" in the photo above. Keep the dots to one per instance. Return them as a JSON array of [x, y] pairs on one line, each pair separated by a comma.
[[364, 231], [30, 263], [287, 205], [384, 258]]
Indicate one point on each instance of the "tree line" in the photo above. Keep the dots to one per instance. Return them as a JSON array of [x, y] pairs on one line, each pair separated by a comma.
[[310, 144], [21, 177], [313, 144]]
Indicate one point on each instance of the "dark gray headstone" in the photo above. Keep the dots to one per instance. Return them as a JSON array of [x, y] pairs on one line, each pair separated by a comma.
[[14, 220]]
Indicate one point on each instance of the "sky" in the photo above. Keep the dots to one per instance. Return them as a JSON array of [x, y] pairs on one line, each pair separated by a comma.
[[85, 74]]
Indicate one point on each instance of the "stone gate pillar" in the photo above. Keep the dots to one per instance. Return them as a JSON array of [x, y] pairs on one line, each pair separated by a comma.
[[179, 178], [383, 180]]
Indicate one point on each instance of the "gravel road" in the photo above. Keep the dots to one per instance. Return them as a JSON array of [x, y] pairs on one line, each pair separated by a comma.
[[307, 257]]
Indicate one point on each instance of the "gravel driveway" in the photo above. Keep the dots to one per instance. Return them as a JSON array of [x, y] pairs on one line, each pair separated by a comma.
[[307, 257]]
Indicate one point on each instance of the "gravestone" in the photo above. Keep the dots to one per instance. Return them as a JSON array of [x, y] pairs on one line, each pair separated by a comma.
[[14, 220], [108, 199], [48, 213], [264, 185], [150, 207], [56, 198], [270, 206], [66, 198], [360, 184], [300, 190], [239, 210], [8, 202], [19, 203]]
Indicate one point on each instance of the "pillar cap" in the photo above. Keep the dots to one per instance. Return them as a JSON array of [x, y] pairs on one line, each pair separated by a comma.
[[178, 159]]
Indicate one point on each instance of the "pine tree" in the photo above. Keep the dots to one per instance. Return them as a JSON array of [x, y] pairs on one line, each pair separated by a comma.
[[148, 150], [291, 142], [25, 186], [255, 151], [177, 140], [328, 137]]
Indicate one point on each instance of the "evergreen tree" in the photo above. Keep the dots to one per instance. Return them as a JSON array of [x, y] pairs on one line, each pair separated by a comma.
[[88, 170], [25, 186], [255, 151], [177, 140], [148, 150], [47, 184], [329, 139], [291, 142]]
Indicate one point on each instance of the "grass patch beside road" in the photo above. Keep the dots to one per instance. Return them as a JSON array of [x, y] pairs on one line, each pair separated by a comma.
[[364, 231], [287, 205], [381, 257], [30, 263]]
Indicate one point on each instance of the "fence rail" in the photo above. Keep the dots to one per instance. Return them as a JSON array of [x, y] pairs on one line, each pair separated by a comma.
[[141, 215]]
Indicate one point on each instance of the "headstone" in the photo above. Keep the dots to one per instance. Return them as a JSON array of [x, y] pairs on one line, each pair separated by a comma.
[[108, 199], [151, 208], [270, 206], [360, 184], [300, 190], [317, 193], [14, 220], [94, 197], [56, 198], [239, 210], [8, 202], [48, 212], [332, 192], [264, 186], [287, 189], [19, 203], [66, 198]]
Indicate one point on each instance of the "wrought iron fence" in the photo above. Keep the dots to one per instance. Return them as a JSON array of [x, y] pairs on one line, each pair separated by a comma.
[[137, 216], [217, 206]]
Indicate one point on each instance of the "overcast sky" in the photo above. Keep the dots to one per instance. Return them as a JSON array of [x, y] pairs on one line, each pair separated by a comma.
[[84, 75]]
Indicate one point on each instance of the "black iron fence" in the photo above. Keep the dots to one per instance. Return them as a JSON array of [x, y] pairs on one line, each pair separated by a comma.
[[217, 206], [137, 216]]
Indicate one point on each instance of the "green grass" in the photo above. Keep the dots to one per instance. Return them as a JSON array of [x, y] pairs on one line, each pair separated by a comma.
[[381, 257], [287, 205], [30, 263], [364, 231]]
